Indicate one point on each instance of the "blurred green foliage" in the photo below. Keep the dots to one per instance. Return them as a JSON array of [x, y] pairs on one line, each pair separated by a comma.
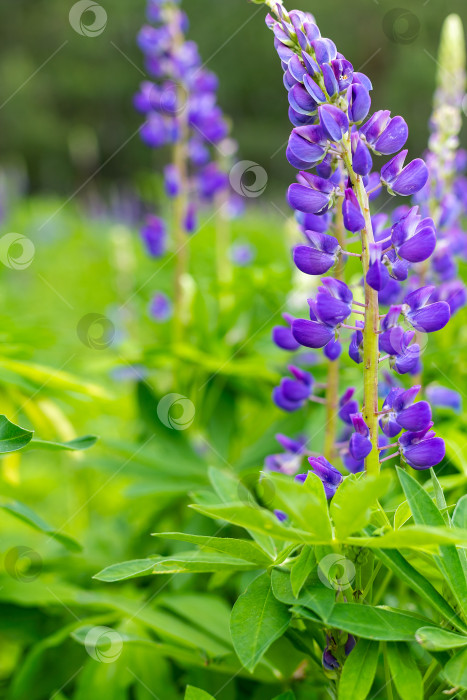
[[66, 100]]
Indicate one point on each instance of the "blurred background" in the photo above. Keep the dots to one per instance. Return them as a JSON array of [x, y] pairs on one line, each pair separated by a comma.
[[65, 99]]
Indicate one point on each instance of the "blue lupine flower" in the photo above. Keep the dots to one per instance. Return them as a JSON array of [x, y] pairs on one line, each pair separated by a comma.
[[319, 256], [160, 308], [154, 236], [329, 475], [422, 450], [423, 316], [283, 336], [443, 397], [292, 394], [414, 238], [360, 445]]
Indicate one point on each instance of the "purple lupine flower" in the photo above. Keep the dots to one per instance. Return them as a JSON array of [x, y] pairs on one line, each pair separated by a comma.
[[292, 394], [348, 406], [377, 276], [154, 236], [360, 445], [414, 238], [356, 344], [423, 316], [319, 255], [283, 336], [422, 450], [404, 181], [443, 397], [353, 217], [329, 475], [242, 254], [160, 308], [280, 515]]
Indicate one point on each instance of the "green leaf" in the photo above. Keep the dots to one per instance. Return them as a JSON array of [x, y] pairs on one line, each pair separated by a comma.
[[257, 520], [435, 639], [81, 443], [305, 503], [459, 518], [196, 561], [193, 693], [241, 549], [257, 620], [126, 570], [12, 437], [288, 695], [370, 622], [417, 536], [356, 496], [418, 583], [359, 671], [425, 512], [28, 516], [402, 514], [315, 596], [302, 568], [405, 673], [230, 489], [456, 669]]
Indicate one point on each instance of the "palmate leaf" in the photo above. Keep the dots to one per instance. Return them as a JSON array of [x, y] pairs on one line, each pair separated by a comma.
[[425, 512], [404, 671], [28, 516], [359, 671], [257, 620]]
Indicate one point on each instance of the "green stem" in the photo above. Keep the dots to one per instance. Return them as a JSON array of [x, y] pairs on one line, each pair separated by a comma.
[[370, 332]]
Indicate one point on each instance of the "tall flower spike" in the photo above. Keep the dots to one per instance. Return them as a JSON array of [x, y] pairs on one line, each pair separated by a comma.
[[330, 145]]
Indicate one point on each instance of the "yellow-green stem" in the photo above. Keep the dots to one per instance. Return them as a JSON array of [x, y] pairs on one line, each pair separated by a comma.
[[370, 332]]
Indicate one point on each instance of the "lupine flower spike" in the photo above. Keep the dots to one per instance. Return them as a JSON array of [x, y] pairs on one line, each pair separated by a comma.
[[334, 145]]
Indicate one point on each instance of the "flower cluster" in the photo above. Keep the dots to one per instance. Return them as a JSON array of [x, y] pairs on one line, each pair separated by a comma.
[[333, 144], [179, 104]]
